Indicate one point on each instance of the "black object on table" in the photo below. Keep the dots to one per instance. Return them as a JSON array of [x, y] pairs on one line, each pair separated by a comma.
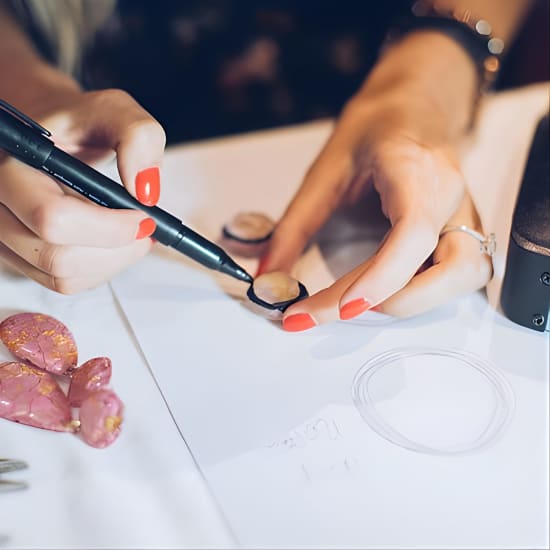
[[525, 296]]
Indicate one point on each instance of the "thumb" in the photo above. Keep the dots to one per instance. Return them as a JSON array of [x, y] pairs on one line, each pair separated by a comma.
[[114, 119], [320, 194]]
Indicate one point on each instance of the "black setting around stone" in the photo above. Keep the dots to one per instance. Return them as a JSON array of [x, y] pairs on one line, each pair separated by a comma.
[[281, 306], [228, 235]]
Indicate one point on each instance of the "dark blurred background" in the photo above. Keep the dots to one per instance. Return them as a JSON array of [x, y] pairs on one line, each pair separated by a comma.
[[207, 68]]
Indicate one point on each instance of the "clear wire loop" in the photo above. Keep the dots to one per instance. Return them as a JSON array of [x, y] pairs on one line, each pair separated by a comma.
[[500, 417]]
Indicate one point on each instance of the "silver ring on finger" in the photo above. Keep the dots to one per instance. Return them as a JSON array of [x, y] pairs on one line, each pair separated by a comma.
[[487, 243]]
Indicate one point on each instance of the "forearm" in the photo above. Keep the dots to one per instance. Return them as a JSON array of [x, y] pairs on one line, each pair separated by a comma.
[[27, 79], [428, 72]]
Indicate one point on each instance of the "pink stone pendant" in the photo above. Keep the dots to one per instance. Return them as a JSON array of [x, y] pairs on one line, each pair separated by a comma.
[[100, 418], [40, 340], [31, 396], [89, 377]]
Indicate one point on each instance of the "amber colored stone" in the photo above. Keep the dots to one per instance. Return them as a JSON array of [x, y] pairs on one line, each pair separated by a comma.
[[247, 234], [276, 287], [271, 293]]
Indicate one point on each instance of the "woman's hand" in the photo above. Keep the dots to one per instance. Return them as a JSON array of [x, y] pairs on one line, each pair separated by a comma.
[[398, 137], [54, 236], [47, 232]]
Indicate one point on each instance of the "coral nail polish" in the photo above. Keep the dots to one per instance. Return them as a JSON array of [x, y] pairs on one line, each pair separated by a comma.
[[298, 322], [146, 228], [354, 308], [148, 186]]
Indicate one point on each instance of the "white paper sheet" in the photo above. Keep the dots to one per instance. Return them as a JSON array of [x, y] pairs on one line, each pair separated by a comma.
[[143, 491], [269, 416]]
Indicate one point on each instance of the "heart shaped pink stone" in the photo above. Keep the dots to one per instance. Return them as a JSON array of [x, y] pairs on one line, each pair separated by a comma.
[[40, 340], [31, 396], [89, 377], [100, 418]]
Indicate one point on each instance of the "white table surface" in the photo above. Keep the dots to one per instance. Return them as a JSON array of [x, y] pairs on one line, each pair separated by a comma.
[[146, 491]]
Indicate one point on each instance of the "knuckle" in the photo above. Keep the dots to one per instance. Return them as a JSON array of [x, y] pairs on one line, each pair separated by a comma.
[[47, 221], [147, 133]]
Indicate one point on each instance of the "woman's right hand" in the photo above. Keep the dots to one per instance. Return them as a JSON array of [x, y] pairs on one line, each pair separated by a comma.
[[57, 238]]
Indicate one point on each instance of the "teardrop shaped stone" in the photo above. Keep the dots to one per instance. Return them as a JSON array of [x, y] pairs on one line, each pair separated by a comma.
[[91, 376], [32, 396], [100, 418], [40, 340]]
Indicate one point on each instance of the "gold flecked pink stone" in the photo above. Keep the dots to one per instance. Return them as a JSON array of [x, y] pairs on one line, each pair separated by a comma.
[[89, 377], [100, 418], [32, 396], [41, 340]]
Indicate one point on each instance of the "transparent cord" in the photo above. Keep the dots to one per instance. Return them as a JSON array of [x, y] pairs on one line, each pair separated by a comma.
[[497, 424]]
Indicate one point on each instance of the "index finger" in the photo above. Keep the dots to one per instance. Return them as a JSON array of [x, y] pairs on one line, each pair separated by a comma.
[[407, 246], [403, 249]]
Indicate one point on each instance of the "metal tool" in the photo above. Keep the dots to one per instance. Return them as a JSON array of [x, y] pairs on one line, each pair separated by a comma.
[[11, 465]]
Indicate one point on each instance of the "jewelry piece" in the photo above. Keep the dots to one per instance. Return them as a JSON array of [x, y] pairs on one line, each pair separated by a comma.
[[272, 293], [247, 234], [93, 375], [41, 341], [31, 396], [29, 393], [487, 243]]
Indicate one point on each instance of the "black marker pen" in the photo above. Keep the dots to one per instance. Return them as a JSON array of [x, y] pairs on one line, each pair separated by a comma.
[[26, 140]]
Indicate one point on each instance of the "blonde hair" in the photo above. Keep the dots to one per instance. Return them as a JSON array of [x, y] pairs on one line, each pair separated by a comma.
[[65, 24]]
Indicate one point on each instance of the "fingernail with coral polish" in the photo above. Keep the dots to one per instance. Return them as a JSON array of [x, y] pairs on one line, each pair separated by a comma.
[[261, 265], [354, 308], [298, 322], [148, 186], [146, 228]]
